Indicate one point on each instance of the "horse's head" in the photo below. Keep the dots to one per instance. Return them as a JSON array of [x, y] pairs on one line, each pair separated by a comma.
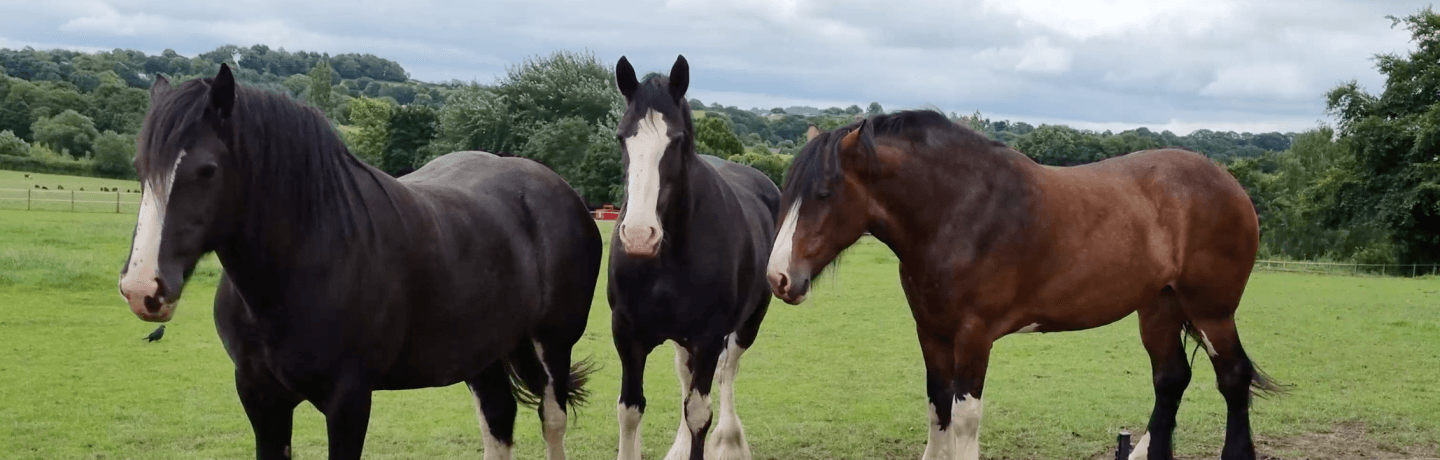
[[655, 135], [182, 161], [825, 207]]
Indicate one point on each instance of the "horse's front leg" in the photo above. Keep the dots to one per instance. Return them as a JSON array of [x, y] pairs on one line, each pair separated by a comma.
[[347, 416], [972, 353], [939, 373]]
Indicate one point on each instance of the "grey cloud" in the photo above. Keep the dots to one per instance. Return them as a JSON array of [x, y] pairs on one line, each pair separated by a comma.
[[1182, 64]]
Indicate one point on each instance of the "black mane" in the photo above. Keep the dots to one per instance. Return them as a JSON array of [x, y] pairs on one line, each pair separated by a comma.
[[818, 164], [295, 161]]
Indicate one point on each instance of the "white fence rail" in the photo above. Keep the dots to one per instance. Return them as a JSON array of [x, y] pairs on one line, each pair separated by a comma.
[[68, 200], [1356, 269]]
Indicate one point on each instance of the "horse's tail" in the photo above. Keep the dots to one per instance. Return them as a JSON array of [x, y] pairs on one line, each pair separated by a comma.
[[1261, 384], [528, 377]]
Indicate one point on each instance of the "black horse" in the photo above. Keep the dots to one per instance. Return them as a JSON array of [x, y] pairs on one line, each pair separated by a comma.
[[340, 280], [687, 264]]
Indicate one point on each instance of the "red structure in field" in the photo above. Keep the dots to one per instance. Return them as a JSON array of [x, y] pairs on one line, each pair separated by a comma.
[[607, 212]]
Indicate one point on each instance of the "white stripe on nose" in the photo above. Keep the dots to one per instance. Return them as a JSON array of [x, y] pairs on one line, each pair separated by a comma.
[[784, 244], [139, 280], [640, 232]]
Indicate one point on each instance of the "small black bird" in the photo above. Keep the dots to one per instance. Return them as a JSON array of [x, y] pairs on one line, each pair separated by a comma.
[[159, 332]]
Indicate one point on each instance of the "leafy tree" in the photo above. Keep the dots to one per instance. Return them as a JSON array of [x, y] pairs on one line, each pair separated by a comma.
[[532, 95], [713, 137], [853, 110], [114, 153], [874, 110], [116, 106], [1394, 178], [561, 145], [774, 166], [13, 145], [297, 84], [412, 127], [600, 178], [371, 120], [69, 132], [320, 88]]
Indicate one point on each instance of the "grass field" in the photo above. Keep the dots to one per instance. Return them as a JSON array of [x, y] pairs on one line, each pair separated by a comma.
[[17, 191], [837, 378]]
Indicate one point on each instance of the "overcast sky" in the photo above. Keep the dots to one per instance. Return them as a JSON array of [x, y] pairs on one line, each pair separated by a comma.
[[1174, 64]]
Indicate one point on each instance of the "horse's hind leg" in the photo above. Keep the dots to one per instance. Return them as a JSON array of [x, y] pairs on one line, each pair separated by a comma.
[[1160, 328], [1235, 375], [270, 408], [562, 390], [495, 407]]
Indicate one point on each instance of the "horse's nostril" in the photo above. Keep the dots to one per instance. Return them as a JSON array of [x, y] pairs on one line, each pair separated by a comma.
[[784, 283], [159, 288]]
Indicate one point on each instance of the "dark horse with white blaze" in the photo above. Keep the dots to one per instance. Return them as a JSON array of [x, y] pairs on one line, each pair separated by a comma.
[[340, 280], [687, 264], [991, 243]]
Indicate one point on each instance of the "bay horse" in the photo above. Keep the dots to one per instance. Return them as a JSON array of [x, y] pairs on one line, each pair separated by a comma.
[[687, 264], [991, 243], [340, 280]]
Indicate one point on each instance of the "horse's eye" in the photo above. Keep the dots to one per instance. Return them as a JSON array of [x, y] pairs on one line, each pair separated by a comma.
[[207, 171], [823, 194]]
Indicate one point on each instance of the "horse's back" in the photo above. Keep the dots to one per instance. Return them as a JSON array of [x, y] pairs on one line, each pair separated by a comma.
[[1201, 210], [478, 195], [749, 183]]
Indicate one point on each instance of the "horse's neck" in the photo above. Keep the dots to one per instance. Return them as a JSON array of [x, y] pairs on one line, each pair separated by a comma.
[[265, 255], [951, 203]]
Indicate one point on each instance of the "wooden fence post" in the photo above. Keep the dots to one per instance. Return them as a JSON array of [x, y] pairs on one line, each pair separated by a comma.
[[117, 202], [72, 201], [27, 199]]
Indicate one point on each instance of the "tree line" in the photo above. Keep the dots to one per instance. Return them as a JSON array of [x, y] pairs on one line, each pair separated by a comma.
[[1317, 192]]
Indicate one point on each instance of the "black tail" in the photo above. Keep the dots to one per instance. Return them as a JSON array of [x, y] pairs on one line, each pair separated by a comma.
[[528, 377], [1260, 383]]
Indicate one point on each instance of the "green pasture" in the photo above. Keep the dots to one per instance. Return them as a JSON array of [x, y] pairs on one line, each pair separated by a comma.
[[837, 378], [66, 193]]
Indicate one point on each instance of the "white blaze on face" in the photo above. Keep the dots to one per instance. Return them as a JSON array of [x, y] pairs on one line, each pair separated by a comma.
[[640, 232], [138, 281], [784, 245]]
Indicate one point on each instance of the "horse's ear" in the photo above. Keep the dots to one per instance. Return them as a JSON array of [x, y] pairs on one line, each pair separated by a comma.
[[625, 78], [811, 133], [160, 86], [222, 92], [858, 146], [679, 78]]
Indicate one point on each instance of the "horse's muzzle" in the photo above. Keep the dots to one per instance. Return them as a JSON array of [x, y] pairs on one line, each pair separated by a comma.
[[791, 290], [147, 298]]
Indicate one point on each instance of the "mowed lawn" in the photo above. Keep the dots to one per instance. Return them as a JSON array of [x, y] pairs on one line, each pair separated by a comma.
[[837, 378]]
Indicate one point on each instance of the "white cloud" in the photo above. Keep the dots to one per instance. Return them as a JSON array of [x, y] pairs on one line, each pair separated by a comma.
[[1272, 79]]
